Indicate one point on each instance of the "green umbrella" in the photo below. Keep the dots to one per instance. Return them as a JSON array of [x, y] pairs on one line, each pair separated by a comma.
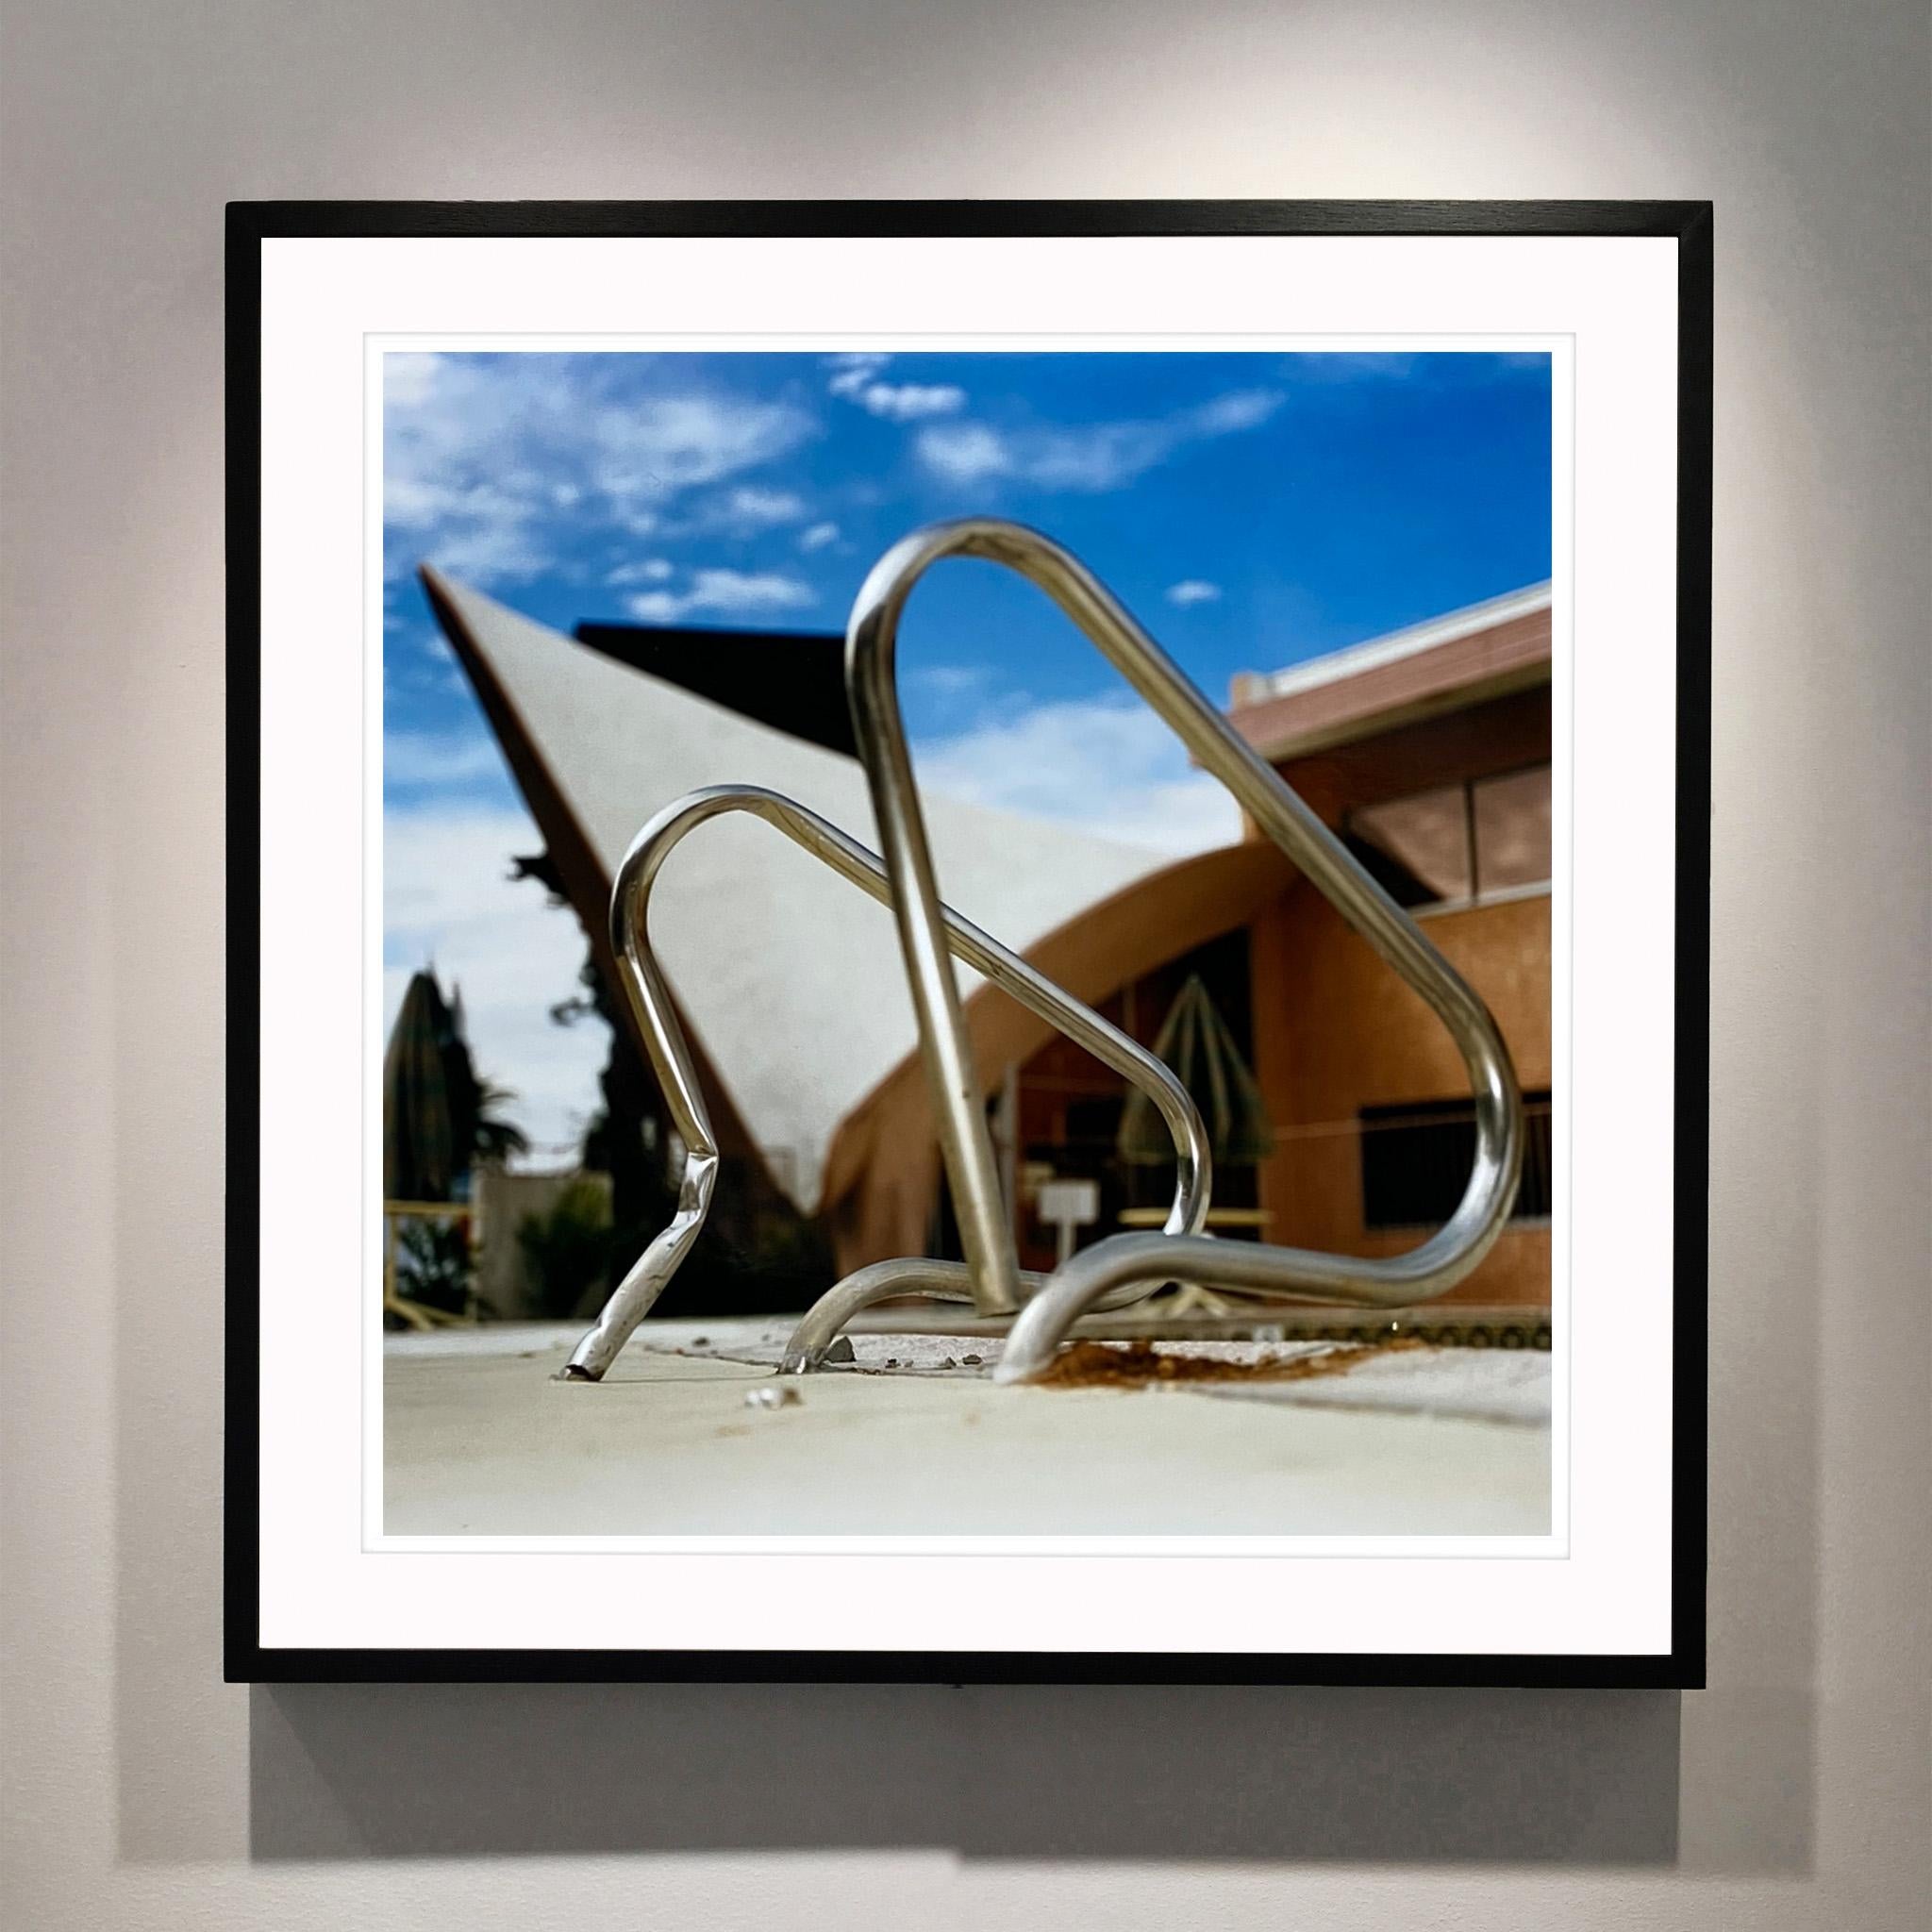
[[420, 1158], [1195, 1041]]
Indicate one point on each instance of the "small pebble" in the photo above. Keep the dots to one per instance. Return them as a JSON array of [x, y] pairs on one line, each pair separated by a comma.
[[949, 1363], [769, 1397], [842, 1350], [972, 1361]]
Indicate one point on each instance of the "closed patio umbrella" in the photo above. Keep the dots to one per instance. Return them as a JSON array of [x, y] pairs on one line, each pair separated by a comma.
[[1196, 1043], [420, 1158]]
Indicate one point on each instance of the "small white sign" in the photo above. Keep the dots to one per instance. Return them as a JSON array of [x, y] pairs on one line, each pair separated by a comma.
[[1069, 1204], [1065, 1206]]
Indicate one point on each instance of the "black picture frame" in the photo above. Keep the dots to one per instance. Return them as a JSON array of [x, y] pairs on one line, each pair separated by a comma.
[[250, 223]]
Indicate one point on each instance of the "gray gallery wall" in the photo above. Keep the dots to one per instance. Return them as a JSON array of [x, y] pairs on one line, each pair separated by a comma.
[[142, 1793]]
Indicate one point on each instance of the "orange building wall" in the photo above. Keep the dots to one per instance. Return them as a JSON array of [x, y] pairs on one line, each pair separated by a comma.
[[1316, 1071]]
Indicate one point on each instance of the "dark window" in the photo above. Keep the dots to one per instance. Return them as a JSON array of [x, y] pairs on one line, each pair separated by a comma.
[[1416, 1158], [1085, 1152], [1422, 843], [1510, 817], [1093, 1121], [1456, 844]]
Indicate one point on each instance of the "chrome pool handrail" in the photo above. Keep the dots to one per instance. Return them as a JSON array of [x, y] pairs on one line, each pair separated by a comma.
[[1121, 1261], [670, 1057]]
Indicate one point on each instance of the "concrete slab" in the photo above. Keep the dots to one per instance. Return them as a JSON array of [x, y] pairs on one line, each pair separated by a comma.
[[480, 1441]]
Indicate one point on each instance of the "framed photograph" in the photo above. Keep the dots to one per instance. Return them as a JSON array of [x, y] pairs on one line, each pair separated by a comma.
[[968, 941]]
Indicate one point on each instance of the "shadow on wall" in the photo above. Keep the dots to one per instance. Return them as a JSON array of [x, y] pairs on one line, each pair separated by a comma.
[[1161, 1771]]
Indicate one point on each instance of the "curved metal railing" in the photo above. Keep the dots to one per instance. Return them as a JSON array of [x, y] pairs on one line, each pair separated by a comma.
[[1120, 1262], [669, 1054]]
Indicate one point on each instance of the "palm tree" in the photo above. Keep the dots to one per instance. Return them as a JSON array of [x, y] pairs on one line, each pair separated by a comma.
[[493, 1138]]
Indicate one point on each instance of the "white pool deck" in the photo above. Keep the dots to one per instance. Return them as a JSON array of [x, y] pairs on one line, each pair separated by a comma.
[[480, 1441]]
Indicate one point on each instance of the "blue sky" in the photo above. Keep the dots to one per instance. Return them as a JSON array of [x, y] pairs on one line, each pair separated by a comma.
[[1253, 510]]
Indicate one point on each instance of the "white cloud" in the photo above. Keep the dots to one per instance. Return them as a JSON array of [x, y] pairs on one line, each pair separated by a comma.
[[473, 529], [645, 452], [1193, 591], [748, 505], [965, 451], [1241, 410], [854, 369], [1089, 456], [488, 553], [423, 661], [745, 512], [731, 590], [656, 607], [948, 680], [408, 379], [818, 536], [436, 759], [1354, 366], [905, 402], [1108, 766], [855, 379], [728, 591], [491, 465], [448, 899], [653, 569]]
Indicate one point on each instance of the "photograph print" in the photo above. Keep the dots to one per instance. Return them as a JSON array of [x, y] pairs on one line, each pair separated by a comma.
[[968, 942], [613, 581]]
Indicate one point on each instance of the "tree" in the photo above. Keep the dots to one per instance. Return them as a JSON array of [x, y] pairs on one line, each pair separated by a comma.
[[623, 1138], [493, 1137], [479, 1130], [568, 1249]]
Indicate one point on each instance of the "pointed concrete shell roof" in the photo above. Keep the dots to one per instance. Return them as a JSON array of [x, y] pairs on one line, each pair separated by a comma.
[[789, 979]]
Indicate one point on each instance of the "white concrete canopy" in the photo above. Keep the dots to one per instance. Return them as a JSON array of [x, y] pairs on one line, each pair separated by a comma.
[[789, 980]]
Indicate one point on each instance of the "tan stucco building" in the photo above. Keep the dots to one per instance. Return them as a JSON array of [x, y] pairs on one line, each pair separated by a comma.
[[1431, 752]]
